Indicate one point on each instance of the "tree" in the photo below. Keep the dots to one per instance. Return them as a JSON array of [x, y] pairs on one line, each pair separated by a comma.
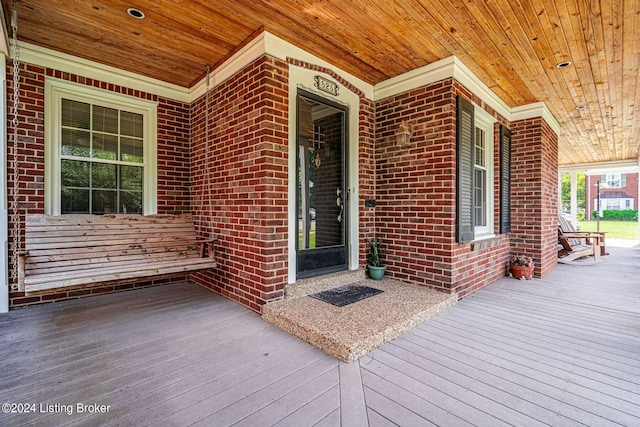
[[566, 191]]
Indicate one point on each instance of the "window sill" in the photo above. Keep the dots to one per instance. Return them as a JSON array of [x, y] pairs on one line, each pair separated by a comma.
[[485, 242]]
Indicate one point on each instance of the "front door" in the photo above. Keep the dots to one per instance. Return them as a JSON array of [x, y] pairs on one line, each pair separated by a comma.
[[321, 181]]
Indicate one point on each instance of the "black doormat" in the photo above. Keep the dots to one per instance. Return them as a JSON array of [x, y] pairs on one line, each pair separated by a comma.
[[346, 295]]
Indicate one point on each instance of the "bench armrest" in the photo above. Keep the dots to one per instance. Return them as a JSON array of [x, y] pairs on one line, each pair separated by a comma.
[[206, 246]]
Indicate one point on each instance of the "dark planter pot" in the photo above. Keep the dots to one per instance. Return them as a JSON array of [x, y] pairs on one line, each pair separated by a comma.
[[376, 273], [519, 271]]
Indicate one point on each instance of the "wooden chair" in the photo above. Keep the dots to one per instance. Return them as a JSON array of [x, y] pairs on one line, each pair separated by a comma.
[[567, 227], [71, 251], [574, 246]]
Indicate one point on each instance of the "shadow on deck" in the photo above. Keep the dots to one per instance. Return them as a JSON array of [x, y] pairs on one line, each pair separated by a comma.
[[563, 350]]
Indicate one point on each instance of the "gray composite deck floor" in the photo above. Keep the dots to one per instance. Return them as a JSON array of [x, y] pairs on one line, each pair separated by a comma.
[[560, 351]]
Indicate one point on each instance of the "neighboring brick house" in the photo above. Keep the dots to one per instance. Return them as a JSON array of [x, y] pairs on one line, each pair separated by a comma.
[[476, 182], [618, 191]]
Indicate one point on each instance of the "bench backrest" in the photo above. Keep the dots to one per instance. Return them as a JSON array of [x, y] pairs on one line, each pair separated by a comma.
[[567, 227], [72, 242]]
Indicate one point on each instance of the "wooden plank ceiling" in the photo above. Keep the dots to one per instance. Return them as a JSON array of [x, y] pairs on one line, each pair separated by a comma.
[[513, 46]]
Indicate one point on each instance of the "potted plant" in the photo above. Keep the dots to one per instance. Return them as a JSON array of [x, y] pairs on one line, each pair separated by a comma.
[[521, 267], [374, 259]]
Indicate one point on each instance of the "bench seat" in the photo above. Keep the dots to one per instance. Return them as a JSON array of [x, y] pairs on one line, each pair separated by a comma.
[[71, 251], [574, 246]]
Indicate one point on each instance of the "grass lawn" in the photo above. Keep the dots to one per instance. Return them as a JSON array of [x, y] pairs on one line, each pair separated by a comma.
[[614, 229]]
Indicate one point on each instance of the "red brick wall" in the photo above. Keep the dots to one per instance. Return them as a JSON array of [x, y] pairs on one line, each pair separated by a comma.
[[367, 176], [173, 158], [534, 193], [416, 190], [240, 182], [235, 179], [415, 185]]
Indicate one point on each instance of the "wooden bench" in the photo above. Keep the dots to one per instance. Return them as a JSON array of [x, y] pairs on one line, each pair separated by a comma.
[[573, 246], [567, 227], [85, 250]]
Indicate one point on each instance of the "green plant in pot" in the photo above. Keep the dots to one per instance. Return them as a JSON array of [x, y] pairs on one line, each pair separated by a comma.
[[521, 267], [374, 258]]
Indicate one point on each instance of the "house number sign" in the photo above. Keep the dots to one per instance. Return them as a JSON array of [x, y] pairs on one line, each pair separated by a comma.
[[326, 85]]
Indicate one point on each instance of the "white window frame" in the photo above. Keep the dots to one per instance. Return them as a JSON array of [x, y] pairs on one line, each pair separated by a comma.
[[55, 90], [485, 122], [614, 180]]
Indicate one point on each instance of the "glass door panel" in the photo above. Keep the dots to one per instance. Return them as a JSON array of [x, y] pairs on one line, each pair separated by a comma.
[[321, 243]]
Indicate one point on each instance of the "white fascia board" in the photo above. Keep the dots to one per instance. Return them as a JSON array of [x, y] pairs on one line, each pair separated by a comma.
[[279, 48], [601, 168], [246, 55], [537, 109], [469, 80], [269, 44], [452, 67], [44, 57], [414, 79]]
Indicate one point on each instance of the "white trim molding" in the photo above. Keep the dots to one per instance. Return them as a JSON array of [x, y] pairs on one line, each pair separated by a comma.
[[54, 91], [267, 43], [41, 56], [537, 109], [452, 67], [304, 79], [247, 54], [600, 168]]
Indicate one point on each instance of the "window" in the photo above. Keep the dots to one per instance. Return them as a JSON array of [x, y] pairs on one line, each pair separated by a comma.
[[611, 204], [100, 152], [614, 204], [615, 180], [480, 179], [475, 197]]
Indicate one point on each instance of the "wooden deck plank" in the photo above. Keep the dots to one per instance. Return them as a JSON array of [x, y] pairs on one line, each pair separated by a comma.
[[469, 406], [279, 400], [118, 345], [377, 420], [608, 381], [548, 331], [315, 412], [410, 395], [166, 377], [587, 397], [559, 343], [540, 380], [319, 377], [331, 420], [541, 401], [390, 410], [579, 324], [352, 401], [164, 401], [561, 350]]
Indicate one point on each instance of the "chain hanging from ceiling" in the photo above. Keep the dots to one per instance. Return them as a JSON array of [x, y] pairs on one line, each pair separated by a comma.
[[208, 150], [16, 228], [206, 137]]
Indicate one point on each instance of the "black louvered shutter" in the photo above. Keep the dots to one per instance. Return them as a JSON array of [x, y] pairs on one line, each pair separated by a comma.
[[505, 180], [464, 171]]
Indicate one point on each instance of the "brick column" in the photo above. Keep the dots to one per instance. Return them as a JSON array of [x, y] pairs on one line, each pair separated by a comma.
[[534, 193], [239, 182]]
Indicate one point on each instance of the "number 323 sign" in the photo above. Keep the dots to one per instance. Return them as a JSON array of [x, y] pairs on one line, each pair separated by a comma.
[[326, 85]]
